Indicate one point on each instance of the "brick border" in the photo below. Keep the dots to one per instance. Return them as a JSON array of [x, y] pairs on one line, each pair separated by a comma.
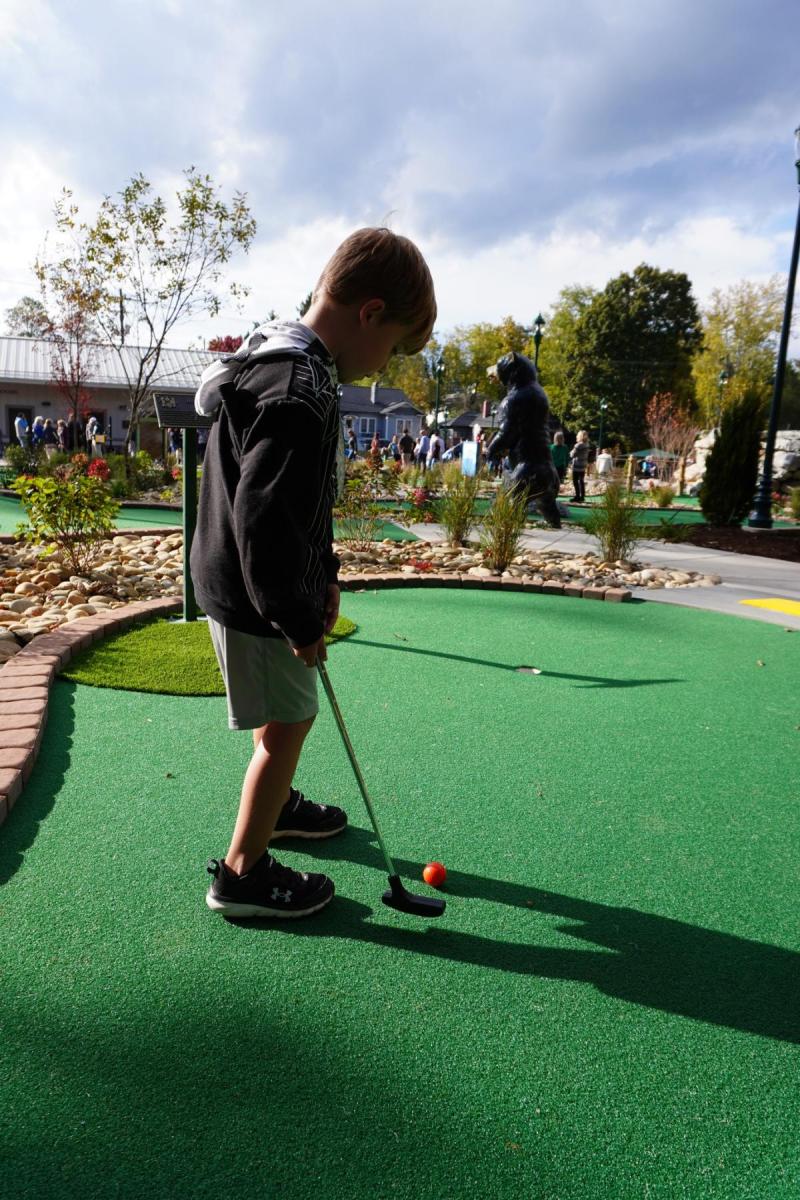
[[25, 679]]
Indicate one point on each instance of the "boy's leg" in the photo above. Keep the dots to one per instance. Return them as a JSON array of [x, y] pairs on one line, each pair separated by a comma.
[[266, 786]]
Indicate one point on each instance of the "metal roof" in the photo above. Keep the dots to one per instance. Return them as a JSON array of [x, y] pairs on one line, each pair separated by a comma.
[[358, 400], [29, 360]]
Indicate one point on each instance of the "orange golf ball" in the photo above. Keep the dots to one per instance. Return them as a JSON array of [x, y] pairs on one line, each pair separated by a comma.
[[434, 874]]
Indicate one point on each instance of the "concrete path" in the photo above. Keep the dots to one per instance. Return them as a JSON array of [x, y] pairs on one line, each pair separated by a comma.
[[745, 577]]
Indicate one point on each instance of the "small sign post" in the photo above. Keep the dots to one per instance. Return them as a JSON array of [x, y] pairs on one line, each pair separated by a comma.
[[178, 412]]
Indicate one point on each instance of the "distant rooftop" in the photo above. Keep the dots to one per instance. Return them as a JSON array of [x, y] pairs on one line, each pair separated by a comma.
[[29, 360]]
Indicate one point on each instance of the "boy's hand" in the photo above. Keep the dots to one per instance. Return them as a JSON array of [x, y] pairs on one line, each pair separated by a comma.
[[310, 654], [332, 606]]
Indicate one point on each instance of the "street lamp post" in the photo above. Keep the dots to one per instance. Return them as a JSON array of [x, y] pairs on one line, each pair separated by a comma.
[[761, 516], [724, 376], [438, 370], [539, 325], [603, 407]]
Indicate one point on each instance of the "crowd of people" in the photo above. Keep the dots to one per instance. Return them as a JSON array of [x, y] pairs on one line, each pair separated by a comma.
[[58, 436]]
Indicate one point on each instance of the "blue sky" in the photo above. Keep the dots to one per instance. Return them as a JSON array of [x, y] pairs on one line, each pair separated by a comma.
[[525, 146]]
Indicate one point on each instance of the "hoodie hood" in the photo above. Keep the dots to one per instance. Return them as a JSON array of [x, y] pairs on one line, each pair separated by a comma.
[[275, 337]]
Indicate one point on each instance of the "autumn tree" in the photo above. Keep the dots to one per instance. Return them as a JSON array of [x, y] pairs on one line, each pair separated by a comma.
[[741, 327], [69, 303], [225, 345], [168, 266], [670, 429]]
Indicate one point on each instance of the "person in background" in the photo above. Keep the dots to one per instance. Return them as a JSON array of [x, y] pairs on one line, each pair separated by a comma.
[[421, 449], [49, 439], [560, 455], [392, 451], [435, 450], [407, 448], [21, 429], [604, 465], [352, 443], [374, 457], [579, 457], [37, 434], [62, 435]]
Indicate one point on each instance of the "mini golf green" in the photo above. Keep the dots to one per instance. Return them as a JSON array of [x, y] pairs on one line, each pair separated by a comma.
[[608, 1008], [168, 657]]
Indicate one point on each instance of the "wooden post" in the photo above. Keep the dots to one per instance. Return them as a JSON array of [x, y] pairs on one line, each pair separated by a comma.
[[189, 518], [631, 473], [681, 475]]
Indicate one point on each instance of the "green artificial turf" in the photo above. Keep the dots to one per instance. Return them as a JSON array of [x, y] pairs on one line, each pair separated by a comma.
[[607, 1010], [171, 658]]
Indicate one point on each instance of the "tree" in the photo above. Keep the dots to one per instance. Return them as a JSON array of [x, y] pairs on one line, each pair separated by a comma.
[[167, 269], [304, 305], [27, 318], [729, 483], [559, 346], [790, 400], [741, 327], [70, 300], [225, 345], [634, 340], [671, 429]]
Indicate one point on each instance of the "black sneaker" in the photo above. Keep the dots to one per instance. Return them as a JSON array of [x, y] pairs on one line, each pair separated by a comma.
[[300, 818], [267, 890]]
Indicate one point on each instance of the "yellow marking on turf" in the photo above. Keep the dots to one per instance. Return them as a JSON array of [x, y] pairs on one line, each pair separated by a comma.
[[776, 604]]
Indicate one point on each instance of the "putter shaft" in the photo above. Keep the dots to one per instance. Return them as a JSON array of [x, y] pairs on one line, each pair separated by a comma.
[[326, 683]]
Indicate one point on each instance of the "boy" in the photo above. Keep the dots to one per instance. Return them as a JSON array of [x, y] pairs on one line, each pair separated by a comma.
[[262, 559]]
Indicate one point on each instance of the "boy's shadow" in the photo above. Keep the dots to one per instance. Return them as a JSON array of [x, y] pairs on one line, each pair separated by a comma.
[[640, 957]]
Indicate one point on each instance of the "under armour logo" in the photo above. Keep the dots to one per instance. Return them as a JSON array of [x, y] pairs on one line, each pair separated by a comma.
[[277, 895]]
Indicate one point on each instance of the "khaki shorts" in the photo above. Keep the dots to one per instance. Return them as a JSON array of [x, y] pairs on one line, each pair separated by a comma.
[[264, 681]]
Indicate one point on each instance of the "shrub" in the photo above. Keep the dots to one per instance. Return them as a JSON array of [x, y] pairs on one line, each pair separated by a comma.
[[794, 502], [71, 514], [502, 527], [355, 513], [613, 522], [726, 495], [456, 508], [24, 460], [99, 469], [662, 495]]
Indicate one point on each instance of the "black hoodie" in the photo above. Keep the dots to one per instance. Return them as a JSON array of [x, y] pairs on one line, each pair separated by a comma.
[[262, 554]]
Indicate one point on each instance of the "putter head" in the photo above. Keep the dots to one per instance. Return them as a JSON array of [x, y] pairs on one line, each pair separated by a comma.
[[419, 906]]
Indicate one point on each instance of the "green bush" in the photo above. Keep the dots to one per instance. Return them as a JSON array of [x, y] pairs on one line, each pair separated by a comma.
[[727, 491], [456, 508], [794, 502], [663, 495], [24, 460], [613, 523], [502, 527], [356, 514], [71, 514]]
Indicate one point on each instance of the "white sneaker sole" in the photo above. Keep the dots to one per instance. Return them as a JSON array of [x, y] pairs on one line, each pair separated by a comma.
[[230, 909], [303, 833]]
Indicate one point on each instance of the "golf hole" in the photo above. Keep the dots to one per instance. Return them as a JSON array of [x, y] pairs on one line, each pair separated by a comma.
[[527, 670]]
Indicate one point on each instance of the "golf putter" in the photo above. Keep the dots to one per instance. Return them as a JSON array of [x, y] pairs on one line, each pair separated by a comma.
[[397, 896]]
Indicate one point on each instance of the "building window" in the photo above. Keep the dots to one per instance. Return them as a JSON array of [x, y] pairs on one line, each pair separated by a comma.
[[366, 426]]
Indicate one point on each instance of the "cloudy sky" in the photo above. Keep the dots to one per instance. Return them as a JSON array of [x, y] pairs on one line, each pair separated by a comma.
[[525, 145]]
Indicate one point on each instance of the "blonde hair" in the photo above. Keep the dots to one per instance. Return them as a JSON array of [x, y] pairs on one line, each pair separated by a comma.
[[558, 438], [582, 436], [378, 264]]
